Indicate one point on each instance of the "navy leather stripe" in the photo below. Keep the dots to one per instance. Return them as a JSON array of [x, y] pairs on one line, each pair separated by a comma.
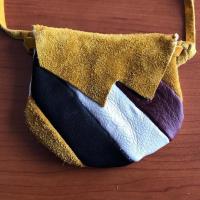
[[90, 142]]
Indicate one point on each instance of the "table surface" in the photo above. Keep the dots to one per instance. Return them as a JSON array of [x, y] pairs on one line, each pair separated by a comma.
[[29, 171]]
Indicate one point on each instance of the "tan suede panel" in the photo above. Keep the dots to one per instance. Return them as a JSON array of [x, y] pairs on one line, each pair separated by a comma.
[[47, 134], [171, 77], [93, 62]]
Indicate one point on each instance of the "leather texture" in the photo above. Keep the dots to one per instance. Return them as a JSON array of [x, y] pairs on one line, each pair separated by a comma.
[[119, 132], [82, 132], [165, 110], [44, 132], [135, 133]]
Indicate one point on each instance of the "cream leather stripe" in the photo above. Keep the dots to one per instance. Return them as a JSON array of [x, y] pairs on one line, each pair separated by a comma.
[[135, 133]]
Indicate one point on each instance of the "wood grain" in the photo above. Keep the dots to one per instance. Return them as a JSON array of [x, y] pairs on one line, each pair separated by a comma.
[[28, 171]]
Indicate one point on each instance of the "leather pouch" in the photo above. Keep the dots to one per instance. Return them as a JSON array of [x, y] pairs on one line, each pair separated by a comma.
[[105, 100]]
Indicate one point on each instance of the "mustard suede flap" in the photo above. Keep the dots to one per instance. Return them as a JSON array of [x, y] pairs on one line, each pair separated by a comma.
[[93, 62]]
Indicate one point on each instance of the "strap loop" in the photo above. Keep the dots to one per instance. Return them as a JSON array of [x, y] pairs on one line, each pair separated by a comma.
[[187, 49], [190, 42], [16, 34]]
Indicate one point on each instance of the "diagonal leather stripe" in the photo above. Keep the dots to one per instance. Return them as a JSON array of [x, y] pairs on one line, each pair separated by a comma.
[[165, 110], [43, 130], [90, 142], [135, 133]]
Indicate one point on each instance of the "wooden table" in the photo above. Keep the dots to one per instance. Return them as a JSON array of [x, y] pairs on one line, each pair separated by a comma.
[[28, 171]]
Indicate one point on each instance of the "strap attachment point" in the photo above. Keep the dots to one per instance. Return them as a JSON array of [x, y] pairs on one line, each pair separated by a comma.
[[28, 36], [187, 49], [16, 34]]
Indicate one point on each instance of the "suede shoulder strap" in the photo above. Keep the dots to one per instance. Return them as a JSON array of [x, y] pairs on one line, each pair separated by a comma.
[[190, 21], [16, 34], [25, 35], [189, 45], [187, 49]]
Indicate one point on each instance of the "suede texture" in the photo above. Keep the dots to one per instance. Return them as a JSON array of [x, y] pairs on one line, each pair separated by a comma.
[[81, 131], [16, 34], [93, 62], [90, 54], [165, 110], [43, 130], [171, 77]]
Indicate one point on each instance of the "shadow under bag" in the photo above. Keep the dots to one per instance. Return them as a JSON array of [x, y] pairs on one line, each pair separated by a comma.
[[105, 100]]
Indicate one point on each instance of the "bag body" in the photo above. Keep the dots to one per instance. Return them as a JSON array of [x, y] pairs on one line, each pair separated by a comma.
[[105, 100]]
